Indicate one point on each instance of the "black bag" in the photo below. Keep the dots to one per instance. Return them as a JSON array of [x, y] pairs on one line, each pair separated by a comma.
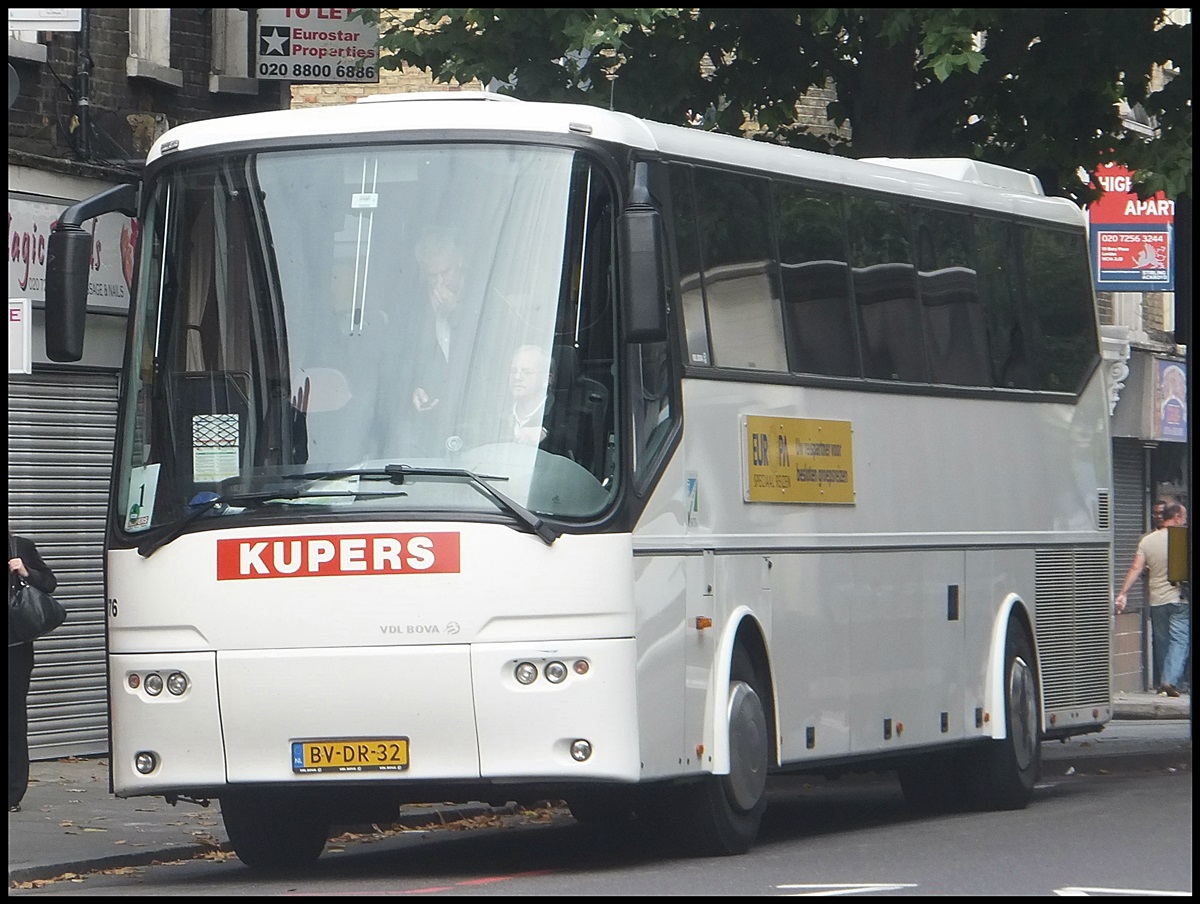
[[32, 613]]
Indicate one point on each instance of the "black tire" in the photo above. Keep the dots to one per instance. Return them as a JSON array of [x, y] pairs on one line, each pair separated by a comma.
[[273, 834], [601, 806], [935, 784], [1006, 771], [720, 814]]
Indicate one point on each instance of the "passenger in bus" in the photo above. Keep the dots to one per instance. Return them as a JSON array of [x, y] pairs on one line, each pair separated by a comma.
[[534, 421], [435, 341]]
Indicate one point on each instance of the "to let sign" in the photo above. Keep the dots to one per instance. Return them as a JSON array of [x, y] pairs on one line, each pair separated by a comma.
[[304, 44], [1132, 239]]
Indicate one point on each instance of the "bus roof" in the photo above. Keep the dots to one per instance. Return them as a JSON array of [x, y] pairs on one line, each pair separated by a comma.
[[945, 180]]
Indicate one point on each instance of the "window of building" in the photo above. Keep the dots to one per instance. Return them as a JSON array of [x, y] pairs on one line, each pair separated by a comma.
[[24, 45], [150, 47], [231, 73]]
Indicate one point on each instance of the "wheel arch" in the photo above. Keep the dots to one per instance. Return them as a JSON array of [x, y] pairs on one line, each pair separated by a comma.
[[741, 629], [1016, 607]]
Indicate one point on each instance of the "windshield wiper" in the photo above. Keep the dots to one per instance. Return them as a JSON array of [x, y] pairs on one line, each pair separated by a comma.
[[395, 473], [535, 524], [173, 531]]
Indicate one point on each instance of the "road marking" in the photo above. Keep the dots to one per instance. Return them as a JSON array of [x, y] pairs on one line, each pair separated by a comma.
[[820, 890], [1084, 891]]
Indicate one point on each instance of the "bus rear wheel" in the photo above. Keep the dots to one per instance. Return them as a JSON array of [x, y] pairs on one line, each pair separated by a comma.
[[720, 814], [1006, 771], [271, 833]]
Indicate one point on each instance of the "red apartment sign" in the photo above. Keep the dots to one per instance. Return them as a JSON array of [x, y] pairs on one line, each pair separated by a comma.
[[1132, 239]]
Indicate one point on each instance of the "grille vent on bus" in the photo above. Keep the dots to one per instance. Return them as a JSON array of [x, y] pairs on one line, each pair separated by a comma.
[[1073, 626], [1104, 510]]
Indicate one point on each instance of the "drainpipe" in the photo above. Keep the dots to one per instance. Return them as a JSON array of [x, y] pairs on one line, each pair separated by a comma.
[[83, 84]]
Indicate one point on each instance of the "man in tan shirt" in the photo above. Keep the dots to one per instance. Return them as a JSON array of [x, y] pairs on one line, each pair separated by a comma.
[[1169, 616]]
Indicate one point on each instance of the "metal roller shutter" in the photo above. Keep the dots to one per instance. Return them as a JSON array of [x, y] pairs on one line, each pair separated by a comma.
[[1130, 518], [61, 432]]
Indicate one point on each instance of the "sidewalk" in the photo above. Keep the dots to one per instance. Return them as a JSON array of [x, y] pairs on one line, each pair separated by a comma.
[[70, 823]]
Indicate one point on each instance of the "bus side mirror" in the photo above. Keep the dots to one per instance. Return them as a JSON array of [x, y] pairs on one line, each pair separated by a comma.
[[640, 247], [68, 265], [68, 257]]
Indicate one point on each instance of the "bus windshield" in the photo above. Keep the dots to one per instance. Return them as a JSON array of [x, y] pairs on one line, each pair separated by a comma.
[[306, 319]]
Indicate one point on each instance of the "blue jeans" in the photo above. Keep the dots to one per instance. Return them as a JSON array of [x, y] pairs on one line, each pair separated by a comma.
[[1170, 624]]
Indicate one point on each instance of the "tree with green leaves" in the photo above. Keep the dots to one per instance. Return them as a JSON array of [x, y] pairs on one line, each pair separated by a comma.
[[1035, 89]]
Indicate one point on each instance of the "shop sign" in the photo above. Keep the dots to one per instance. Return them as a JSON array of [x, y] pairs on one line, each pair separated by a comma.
[[1132, 239], [307, 44], [1170, 400], [110, 265]]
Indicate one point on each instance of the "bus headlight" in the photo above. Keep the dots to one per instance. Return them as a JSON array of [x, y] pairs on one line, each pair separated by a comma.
[[145, 762], [526, 673], [153, 684], [581, 750], [555, 672], [177, 683]]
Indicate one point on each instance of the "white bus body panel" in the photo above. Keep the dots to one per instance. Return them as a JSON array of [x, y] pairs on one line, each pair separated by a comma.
[[860, 591], [474, 115], [433, 660]]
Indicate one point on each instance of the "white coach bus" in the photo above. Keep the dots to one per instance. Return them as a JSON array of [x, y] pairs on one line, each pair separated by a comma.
[[820, 478]]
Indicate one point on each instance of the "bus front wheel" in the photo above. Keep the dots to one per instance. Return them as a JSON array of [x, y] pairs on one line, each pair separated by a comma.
[[274, 834], [1007, 769], [721, 813], [602, 806]]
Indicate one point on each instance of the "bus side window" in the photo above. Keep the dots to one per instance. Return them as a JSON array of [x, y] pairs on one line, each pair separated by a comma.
[[955, 328], [816, 281], [651, 396], [687, 253], [1058, 292], [885, 290], [998, 269], [952, 315], [739, 275]]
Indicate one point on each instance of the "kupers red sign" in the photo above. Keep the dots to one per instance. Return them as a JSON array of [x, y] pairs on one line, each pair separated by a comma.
[[351, 554]]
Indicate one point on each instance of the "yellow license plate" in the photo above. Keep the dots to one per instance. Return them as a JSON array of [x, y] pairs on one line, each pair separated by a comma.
[[350, 755]]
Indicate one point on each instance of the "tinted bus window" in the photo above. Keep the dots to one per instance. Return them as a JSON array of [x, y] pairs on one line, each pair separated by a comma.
[[885, 291], [739, 272], [687, 251], [1000, 290], [1059, 294], [816, 281], [952, 314]]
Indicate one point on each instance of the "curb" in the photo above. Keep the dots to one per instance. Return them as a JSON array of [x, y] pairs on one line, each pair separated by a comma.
[[1178, 760], [1153, 711], [414, 819]]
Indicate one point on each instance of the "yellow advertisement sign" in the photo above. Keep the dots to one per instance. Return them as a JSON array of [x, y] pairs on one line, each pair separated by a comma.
[[792, 459]]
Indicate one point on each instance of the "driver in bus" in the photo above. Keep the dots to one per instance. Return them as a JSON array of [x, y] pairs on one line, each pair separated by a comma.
[[533, 421]]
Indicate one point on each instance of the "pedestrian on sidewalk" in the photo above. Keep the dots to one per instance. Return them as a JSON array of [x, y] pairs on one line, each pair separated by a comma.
[[1169, 617], [1156, 513], [24, 561]]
